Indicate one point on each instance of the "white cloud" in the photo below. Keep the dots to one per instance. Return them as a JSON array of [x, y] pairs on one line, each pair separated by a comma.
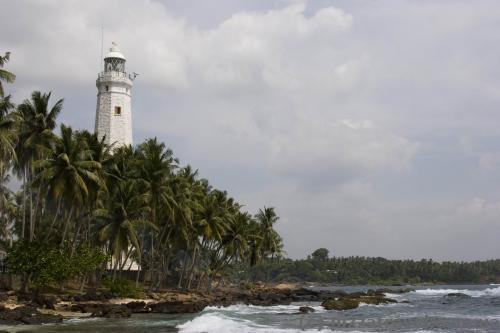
[[364, 126]]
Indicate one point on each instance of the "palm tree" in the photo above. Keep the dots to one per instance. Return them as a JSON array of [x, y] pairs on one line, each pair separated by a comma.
[[271, 242], [119, 222], [8, 134], [36, 122], [8, 138], [5, 75], [68, 173]]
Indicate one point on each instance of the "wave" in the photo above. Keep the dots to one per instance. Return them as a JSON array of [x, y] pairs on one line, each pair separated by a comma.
[[472, 293], [255, 309], [219, 323]]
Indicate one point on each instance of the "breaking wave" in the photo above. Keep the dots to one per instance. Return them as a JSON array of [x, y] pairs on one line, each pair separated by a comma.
[[212, 322], [255, 309], [469, 292]]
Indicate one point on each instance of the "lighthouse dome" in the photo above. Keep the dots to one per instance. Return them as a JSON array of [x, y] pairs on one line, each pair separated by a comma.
[[114, 52]]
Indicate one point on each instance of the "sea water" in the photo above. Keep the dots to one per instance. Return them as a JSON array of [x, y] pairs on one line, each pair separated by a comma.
[[428, 310]]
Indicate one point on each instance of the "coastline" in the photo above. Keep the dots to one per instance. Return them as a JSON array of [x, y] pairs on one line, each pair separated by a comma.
[[16, 309]]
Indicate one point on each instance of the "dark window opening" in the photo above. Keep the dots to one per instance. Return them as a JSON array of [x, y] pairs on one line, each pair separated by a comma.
[[118, 110], [107, 88]]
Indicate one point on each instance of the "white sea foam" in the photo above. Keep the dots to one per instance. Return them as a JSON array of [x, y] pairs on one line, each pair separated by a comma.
[[472, 293], [255, 309], [219, 323], [213, 322]]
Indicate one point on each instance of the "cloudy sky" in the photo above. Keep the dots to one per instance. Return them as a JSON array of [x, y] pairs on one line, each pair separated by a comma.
[[373, 127]]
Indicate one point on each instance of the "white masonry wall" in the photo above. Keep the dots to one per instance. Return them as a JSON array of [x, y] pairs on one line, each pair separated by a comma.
[[116, 128]]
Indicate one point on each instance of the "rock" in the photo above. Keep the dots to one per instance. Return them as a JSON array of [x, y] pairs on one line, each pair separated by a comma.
[[461, 295], [45, 301], [393, 291], [357, 294], [137, 307], [112, 311], [306, 309], [26, 315], [340, 304], [173, 307], [405, 301], [86, 308], [42, 319], [376, 300]]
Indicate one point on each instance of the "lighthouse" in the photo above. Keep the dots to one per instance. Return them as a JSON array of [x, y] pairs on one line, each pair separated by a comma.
[[113, 119]]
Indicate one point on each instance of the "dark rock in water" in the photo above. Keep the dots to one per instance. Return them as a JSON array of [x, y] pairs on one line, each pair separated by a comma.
[[173, 307], [458, 295], [306, 309], [42, 319], [340, 304], [137, 307], [26, 315], [393, 291], [376, 300], [405, 301], [112, 311], [357, 294]]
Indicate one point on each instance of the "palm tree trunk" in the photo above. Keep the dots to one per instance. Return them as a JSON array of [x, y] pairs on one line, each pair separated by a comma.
[[23, 225], [191, 270], [66, 224], [58, 210], [179, 284]]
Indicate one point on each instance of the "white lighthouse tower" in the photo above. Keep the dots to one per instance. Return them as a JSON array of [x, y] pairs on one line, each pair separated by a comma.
[[114, 111]]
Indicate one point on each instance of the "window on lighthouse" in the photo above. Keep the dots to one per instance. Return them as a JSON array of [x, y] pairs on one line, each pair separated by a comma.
[[118, 110]]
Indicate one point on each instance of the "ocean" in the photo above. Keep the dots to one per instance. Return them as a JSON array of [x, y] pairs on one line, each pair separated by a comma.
[[428, 310]]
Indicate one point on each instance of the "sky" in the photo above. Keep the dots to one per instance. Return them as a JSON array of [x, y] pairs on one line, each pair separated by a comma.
[[372, 127]]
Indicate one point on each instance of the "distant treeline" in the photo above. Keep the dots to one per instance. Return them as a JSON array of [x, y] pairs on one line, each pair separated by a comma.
[[318, 267]]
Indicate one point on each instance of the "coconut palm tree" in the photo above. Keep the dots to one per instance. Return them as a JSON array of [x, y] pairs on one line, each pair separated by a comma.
[[5, 75], [270, 241], [68, 173], [120, 221], [35, 135]]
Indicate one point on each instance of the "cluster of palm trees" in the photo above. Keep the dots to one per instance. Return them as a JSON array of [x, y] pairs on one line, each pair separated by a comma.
[[136, 203]]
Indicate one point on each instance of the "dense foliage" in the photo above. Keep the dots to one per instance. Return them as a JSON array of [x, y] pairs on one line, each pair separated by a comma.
[[364, 270], [87, 208]]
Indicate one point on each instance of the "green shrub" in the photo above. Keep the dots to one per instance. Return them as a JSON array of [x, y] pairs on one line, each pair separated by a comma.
[[247, 286], [51, 263], [123, 288]]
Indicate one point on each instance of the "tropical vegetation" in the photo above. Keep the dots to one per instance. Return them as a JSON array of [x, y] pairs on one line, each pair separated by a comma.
[[93, 212], [319, 267]]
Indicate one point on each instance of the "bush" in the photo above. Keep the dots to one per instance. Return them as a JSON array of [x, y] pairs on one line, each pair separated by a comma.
[[247, 286], [123, 288], [46, 263]]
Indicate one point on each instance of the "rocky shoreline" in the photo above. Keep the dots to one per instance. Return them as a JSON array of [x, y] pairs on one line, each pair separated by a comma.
[[23, 309]]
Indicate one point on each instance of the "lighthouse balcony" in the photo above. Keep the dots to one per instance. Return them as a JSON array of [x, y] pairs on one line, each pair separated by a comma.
[[113, 76]]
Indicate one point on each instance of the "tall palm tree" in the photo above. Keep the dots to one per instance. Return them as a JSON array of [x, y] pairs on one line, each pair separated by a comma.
[[35, 135], [271, 242], [8, 138], [119, 222], [68, 173], [5, 75]]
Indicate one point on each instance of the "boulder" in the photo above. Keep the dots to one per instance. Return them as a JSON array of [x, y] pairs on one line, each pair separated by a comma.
[[340, 304], [137, 307], [177, 307], [45, 301], [376, 300], [306, 309], [459, 295], [112, 311], [26, 315]]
